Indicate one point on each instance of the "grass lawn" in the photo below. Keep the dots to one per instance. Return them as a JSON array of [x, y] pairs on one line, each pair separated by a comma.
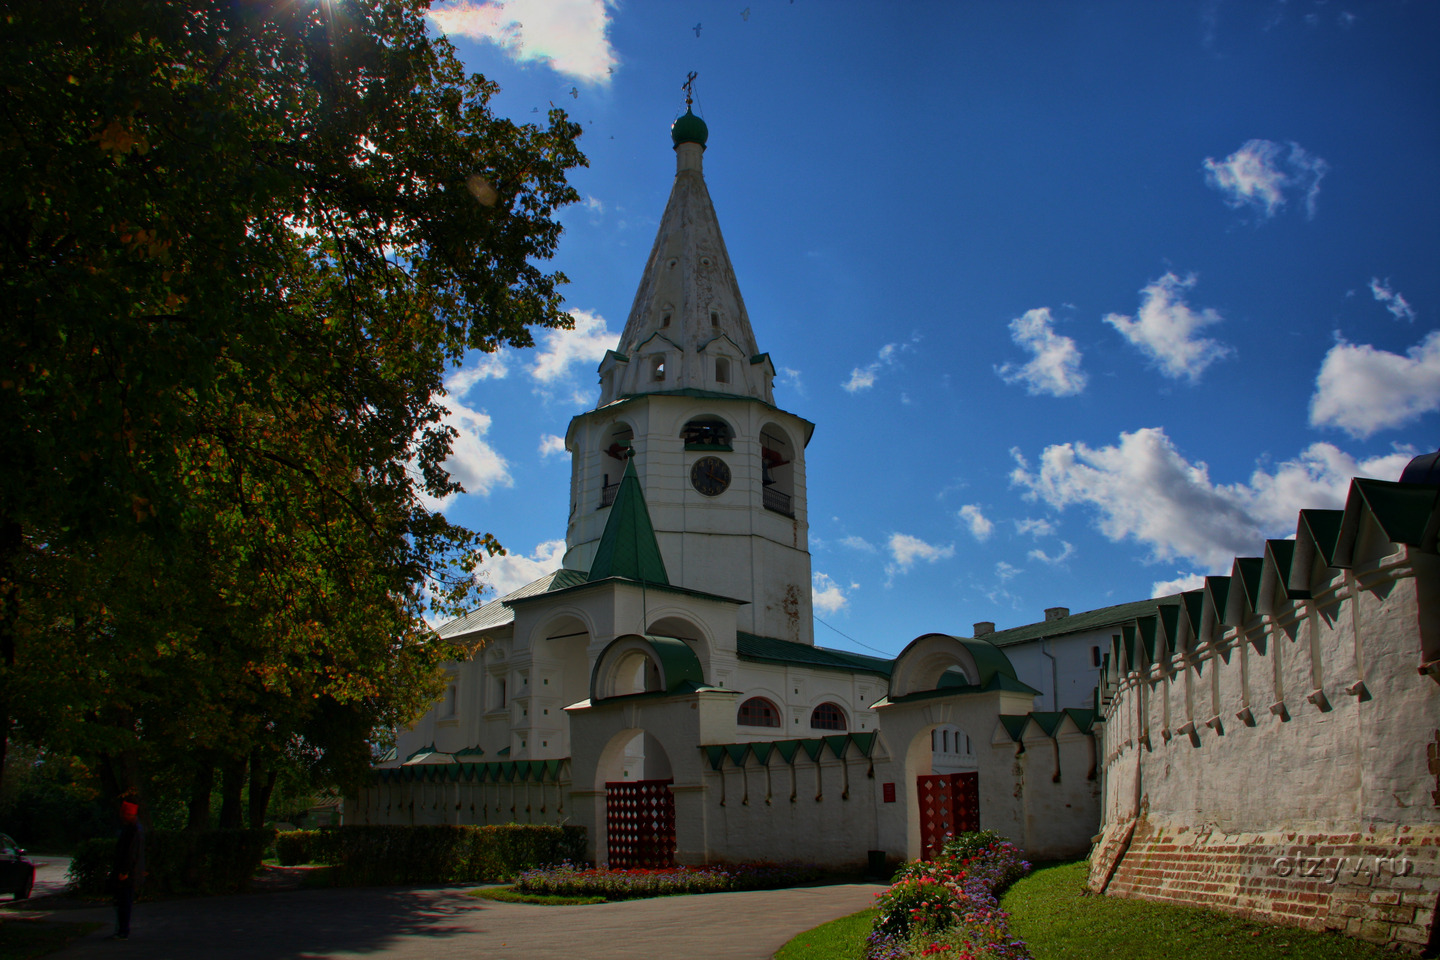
[[837, 940], [25, 939], [511, 895], [1050, 911]]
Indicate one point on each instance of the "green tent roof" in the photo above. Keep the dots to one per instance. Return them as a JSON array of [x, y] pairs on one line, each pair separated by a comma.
[[627, 547]]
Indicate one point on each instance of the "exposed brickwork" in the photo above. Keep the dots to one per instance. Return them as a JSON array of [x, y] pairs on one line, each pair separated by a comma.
[[1381, 887]]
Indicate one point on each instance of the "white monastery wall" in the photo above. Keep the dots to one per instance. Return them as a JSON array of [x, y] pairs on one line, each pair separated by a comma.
[[1267, 766]]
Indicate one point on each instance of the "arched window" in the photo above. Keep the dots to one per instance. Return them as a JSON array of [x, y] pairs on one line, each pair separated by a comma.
[[722, 369], [657, 369], [828, 716], [758, 712]]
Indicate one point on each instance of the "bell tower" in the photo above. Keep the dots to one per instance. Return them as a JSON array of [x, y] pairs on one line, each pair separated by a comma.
[[688, 392]]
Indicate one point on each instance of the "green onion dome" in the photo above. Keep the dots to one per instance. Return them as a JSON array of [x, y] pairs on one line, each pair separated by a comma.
[[689, 129]]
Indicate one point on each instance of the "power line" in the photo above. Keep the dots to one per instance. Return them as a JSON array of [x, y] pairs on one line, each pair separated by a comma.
[[853, 640]]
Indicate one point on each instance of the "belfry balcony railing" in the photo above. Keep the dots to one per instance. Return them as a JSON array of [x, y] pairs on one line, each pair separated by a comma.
[[776, 501], [607, 494]]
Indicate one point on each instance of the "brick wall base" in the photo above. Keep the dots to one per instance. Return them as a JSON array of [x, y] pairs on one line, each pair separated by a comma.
[[1378, 886]]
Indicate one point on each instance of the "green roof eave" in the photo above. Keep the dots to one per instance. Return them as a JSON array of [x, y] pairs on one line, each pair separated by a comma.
[[997, 683], [1404, 511], [1014, 724], [624, 581], [1324, 527]]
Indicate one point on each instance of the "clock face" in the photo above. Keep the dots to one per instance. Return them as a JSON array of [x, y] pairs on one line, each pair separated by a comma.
[[710, 476]]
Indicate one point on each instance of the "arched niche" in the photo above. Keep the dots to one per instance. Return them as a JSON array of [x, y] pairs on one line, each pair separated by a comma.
[[561, 665], [644, 664], [777, 469], [937, 661]]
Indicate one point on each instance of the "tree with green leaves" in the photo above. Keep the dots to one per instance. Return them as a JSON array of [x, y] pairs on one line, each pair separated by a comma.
[[240, 243]]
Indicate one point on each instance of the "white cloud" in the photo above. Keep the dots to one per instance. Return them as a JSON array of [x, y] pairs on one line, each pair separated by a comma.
[[551, 445], [863, 378], [1165, 330], [980, 528], [1168, 588], [858, 543], [1143, 490], [487, 366], [512, 571], [1398, 306], [1034, 528], [1005, 572], [826, 594], [1260, 173], [1363, 390], [476, 465], [568, 35], [560, 350], [1054, 367], [790, 377], [905, 550], [594, 204], [1065, 553]]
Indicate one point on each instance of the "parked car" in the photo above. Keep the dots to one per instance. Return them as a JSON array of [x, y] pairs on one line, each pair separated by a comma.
[[17, 873]]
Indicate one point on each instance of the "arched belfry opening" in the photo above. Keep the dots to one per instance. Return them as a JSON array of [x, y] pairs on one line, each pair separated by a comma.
[[777, 470], [616, 448], [707, 433]]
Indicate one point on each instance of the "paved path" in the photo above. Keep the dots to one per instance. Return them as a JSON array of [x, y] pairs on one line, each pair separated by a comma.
[[430, 923]]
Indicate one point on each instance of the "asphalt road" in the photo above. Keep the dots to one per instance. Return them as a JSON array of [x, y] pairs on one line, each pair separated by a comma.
[[441, 923]]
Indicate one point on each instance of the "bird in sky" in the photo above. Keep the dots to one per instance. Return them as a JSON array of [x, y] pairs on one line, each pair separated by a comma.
[[697, 29], [745, 14]]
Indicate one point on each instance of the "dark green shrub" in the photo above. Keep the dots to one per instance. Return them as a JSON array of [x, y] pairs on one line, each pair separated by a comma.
[[177, 861], [382, 855], [295, 846]]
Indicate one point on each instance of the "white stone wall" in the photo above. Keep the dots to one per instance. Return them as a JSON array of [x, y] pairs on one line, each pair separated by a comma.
[[1301, 732]]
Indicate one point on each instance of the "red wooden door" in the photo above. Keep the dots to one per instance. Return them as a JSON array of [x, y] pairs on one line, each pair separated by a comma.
[[949, 804], [640, 823]]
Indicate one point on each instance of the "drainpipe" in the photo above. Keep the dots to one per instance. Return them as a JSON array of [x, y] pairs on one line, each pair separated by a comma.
[[1054, 677]]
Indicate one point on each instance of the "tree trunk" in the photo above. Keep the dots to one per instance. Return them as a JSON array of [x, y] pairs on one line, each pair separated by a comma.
[[200, 790], [12, 542], [262, 783], [232, 782]]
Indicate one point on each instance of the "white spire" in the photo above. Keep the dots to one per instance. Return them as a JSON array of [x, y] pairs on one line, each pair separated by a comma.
[[687, 328]]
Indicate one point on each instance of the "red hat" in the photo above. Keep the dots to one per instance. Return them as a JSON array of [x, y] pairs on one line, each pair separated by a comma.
[[128, 810]]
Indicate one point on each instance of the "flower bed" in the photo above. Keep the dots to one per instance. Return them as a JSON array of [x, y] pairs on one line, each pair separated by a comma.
[[949, 907], [577, 880]]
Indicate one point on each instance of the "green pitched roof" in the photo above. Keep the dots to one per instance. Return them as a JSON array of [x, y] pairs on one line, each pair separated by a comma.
[[1077, 623], [497, 613], [627, 547], [770, 650]]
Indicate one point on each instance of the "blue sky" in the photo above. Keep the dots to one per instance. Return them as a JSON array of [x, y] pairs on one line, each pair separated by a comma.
[[1083, 298]]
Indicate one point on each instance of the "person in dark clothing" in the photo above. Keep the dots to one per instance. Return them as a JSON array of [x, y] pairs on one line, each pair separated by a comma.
[[129, 868]]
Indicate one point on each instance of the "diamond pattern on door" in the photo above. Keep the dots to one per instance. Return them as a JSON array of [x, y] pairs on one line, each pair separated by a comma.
[[640, 823], [949, 805]]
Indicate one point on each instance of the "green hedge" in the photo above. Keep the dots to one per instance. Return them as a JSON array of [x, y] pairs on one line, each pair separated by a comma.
[[381, 855], [177, 861]]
